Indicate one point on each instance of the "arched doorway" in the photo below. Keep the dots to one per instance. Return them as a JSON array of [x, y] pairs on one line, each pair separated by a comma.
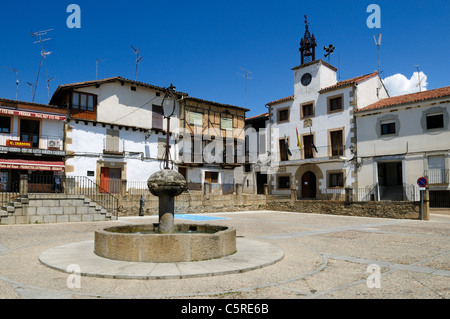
[[309, 184]]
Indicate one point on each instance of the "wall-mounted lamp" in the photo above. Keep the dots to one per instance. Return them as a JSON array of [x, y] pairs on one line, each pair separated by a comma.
[[352, 149]]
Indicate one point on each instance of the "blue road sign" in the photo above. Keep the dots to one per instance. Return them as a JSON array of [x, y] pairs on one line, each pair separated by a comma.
[[422, 182]]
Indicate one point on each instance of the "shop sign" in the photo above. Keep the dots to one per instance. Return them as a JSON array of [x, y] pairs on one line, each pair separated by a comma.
[[19, 144]]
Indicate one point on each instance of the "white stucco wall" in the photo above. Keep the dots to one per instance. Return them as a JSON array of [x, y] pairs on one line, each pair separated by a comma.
[[411, 145], [140, 156], [120, 105]]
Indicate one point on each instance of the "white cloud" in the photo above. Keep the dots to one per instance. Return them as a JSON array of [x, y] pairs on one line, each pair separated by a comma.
[[398, 84]]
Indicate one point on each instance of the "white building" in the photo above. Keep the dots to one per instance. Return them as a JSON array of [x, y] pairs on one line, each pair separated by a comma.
[[31, 143], [319, 160], [115, 132], [403, 138]]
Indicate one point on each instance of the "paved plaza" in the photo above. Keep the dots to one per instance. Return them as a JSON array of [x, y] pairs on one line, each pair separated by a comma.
[[304, 256]]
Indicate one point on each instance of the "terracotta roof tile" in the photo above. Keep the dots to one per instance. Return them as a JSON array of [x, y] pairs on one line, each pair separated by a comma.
[[348, 82], [281, 100], [103, 81], [257, 117], [6, 101], [409, 98], [216, 103]]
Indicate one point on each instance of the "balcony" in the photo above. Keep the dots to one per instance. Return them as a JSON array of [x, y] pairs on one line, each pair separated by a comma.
[[113, 146], [34, 144], [437, 176]]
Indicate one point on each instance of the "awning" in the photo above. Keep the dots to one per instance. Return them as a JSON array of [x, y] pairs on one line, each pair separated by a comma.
[[29, 114], [32, 165]]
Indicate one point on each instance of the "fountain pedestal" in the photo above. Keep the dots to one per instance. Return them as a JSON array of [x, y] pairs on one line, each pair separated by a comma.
[[166, 185]]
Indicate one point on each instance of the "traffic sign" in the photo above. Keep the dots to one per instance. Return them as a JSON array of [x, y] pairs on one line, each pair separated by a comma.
[[422, 182]]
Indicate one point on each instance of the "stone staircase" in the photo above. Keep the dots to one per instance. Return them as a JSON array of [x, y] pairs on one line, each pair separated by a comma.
[[52, 208]]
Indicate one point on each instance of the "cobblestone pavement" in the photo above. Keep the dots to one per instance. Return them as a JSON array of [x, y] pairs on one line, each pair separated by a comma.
[[330, 257]]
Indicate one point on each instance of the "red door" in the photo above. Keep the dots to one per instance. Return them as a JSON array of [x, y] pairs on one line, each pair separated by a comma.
[[104, 180]]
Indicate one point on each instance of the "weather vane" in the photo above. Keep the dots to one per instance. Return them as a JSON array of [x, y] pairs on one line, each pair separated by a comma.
[[329, 51]]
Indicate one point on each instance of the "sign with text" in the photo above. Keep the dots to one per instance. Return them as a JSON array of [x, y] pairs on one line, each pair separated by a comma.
[[32, 115], [19, 144]]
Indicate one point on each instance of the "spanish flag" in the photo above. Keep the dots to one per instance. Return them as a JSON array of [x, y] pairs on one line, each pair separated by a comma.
[[299, 143]]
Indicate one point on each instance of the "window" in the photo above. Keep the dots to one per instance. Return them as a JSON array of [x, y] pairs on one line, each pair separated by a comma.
[[226, 124], [84, 101], [435, 121], [307, 110], [335, 104], [283, 115], [30, 132], [75, 100], [336, 180], [388, 128], [157, 117], [284, 182], [196, 119], [112, 141], [337, 147], [284, 155], [5, 124], [212, 177]]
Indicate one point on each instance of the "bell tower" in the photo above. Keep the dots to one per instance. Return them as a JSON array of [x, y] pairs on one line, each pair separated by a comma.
[[308, 45]]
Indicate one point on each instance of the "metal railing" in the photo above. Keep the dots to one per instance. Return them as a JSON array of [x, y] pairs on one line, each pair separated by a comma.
[[37, 141], [78, 185], [437, 176], [7, 199]]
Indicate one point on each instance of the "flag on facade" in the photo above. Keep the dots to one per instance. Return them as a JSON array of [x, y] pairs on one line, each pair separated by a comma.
[[299, 143], [312, 142], [287, 146]]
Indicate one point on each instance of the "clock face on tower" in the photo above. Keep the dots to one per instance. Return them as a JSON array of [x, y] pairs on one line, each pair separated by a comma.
[[306, 79]]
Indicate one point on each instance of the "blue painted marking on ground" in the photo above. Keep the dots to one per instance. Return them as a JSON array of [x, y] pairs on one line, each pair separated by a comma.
[[198, 218]]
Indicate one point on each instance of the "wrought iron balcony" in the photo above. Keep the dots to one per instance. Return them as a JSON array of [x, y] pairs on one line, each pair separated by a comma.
[[31, 141], [437, 176]]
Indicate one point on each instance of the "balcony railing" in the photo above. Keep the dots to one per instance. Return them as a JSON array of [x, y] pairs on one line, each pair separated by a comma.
[[42, 142], [437, 176]]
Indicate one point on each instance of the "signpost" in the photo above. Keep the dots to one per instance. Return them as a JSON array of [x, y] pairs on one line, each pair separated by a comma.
[[422, 182]]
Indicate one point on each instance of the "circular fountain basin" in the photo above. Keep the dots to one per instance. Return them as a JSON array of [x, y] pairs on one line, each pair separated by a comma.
[[143, 243]]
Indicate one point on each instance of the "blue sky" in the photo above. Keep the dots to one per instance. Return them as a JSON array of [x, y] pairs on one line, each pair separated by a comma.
[[199, 46]]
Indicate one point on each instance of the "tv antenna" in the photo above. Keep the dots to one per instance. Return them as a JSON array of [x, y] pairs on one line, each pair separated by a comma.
[[247, 77], [48, 87], [44, 54], [17, 80], [97, 63], [377, 39], [31, 86], [419, 84], [137, 52]]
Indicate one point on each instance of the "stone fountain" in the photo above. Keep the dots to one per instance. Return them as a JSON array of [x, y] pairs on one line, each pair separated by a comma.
[[166, 242]]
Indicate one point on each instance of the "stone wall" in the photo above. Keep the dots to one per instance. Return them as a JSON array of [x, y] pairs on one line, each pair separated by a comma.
[[383, 209], [193, 203]]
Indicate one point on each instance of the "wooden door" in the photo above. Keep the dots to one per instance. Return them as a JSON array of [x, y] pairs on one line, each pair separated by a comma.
[[211, 178], [115, 180], [104, 180], [309, 184]]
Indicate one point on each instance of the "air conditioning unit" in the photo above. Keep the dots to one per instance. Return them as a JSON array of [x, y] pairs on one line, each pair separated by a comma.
[[54, 144]]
